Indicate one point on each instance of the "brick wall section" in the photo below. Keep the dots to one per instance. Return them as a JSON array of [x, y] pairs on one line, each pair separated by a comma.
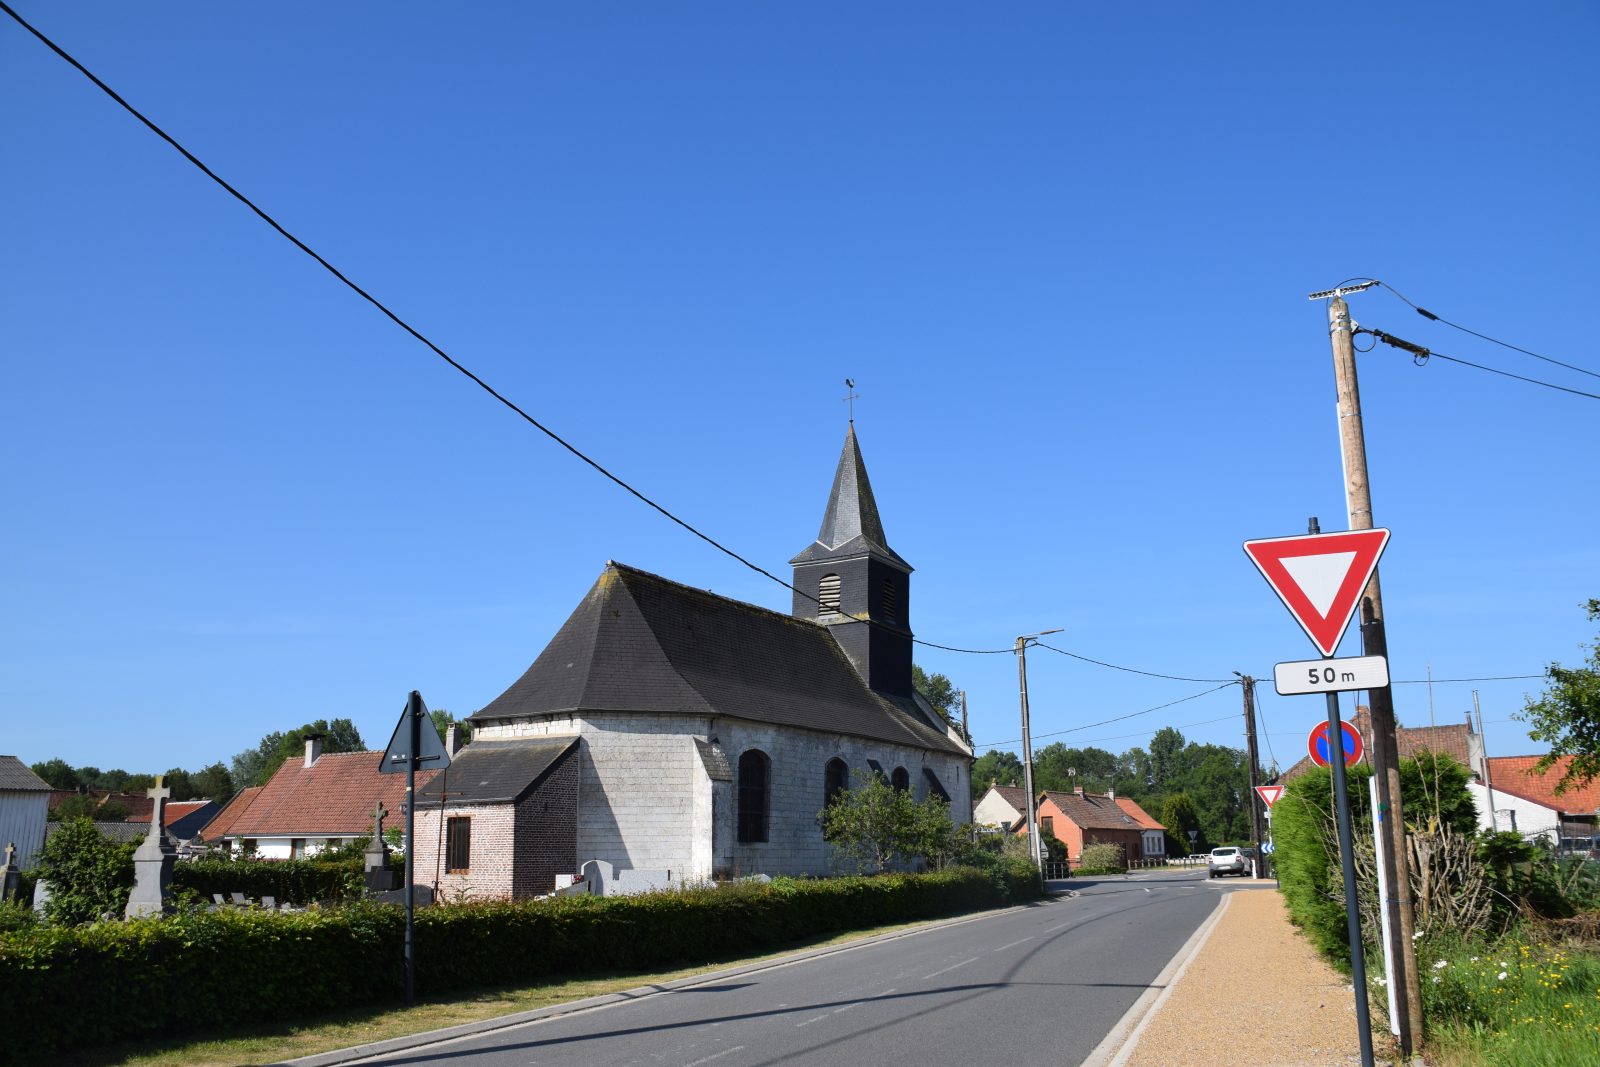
[[547, 831], [493, 849], [645, 800]]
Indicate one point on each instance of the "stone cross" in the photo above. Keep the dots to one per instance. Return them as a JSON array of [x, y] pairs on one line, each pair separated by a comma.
[[378, 814], [11, 854], [10, 877], [158, 810]]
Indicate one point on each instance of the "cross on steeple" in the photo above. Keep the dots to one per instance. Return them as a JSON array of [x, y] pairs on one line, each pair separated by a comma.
[[850, 384]]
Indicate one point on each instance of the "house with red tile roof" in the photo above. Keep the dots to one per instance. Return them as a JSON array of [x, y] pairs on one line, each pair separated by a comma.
[[1456, 740], [322, 801], [1514, 796], [217, 829], [1078, 819]]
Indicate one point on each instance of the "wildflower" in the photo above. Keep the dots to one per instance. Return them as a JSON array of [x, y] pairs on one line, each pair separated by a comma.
[[1441, 965], [1417, 936], [1436, 979], [1501, 977]]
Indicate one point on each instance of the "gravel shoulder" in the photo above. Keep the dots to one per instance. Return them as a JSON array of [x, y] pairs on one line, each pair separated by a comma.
[[1254, 992]]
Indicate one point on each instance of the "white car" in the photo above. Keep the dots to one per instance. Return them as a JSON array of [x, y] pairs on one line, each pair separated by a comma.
[[1227, 860]]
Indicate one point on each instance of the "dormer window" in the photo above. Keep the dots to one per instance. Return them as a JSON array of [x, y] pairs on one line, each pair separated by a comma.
[[891, 601], [828, 595]]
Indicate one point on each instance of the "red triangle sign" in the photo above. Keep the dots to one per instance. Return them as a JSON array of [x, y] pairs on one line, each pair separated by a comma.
[[1320, 577], [1269, 794]]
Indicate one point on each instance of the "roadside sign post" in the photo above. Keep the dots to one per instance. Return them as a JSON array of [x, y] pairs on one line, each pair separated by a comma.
[[412, 744], [1320, 578]]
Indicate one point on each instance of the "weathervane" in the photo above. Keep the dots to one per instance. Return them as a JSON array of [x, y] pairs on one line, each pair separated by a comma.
[[850, 383]]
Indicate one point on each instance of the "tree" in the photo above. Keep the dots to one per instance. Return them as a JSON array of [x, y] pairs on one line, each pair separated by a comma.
[[1179, 817], [443, 720], [1166, 758], [213, 782], [1567, 716], [58, 773], [939, 691], [254, 766], [872, 823], [89, 875], [88, 806], [1000, 768]]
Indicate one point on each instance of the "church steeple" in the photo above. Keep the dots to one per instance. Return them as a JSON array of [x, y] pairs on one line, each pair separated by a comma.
[[851, 570]]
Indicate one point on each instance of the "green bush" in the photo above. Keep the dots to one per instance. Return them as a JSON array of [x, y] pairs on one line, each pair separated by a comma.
[[238, 965], [305, 881], [90, 875], [1102, 858]]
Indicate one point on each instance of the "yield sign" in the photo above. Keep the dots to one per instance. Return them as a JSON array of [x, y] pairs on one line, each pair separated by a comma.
[[1269, 794], [1320, 577]]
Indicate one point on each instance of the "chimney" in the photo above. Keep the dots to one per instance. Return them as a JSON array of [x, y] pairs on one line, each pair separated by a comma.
[[1078, 789], [452, 740], [1111, 794], [313, 748]]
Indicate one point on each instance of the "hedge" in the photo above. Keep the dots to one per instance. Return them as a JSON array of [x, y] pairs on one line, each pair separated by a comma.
[[171, 976], [293, 881]]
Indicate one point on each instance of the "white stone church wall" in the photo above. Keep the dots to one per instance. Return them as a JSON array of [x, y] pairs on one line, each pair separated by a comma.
[[645, 800]]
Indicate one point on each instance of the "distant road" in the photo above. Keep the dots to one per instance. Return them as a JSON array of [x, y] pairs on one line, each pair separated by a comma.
[[1039, 985]]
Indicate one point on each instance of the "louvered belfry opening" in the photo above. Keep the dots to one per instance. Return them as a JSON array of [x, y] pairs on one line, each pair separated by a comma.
[[828, 595], [891, 599]]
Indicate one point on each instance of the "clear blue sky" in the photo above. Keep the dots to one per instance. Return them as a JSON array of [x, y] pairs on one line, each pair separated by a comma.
[[1063, 249]]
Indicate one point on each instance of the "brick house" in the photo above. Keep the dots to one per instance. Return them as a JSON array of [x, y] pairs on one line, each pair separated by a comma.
[[706, 734], [1078, 819], [1456, 740], [500, 822]]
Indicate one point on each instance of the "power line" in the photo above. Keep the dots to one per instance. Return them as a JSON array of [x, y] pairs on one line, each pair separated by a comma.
[[1425, 313], [1130, 670], [1421, 355], [1117, 718], [441, 353]]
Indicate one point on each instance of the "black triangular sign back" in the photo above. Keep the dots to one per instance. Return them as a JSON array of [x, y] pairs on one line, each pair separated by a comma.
[[430, 755]]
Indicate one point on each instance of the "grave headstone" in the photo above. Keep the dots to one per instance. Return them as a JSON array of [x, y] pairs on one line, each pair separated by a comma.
[[152, 862]]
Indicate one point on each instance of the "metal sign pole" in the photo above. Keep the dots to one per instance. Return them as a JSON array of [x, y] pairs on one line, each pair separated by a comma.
[[1358, 964], [414, 714]]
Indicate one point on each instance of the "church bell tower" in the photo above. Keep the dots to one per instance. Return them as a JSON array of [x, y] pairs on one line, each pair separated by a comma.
[[854, 574]]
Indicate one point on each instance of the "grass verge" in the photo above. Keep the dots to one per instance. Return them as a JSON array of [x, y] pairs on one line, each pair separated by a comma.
[[268, 1043]]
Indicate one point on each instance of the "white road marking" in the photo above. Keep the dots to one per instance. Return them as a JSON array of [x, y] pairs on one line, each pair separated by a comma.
[[715, 1056], [1014, 944], [950, 968]]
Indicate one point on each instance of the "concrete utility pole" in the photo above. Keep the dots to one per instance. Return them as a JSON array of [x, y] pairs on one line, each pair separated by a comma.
[[1034, 844], [1248, 684], [1385, 753]]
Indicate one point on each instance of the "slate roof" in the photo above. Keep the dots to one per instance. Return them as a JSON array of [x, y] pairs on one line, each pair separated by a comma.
[[1092, 812], [851, 525], [639, 642], [1514, 774], [335, 795], [14, 774], [222, 825], [494, 772]]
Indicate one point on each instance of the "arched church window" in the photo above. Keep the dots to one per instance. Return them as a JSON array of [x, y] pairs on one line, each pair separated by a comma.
[[901, 779], [891, 600], [828, 594], [755, 777], [835, 780]]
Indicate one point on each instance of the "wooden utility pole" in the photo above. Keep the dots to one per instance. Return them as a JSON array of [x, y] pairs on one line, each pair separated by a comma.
[[1384, 751], [1248, 684]]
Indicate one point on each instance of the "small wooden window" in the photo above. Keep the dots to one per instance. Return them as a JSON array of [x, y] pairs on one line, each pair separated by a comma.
[[1047, 823], [891, 600], [836, 779], [901, 779], [297, 848], [828, 595], [755, 775], [458, 844]]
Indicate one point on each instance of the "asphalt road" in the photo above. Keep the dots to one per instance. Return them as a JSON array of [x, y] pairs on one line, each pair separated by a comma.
[[1037, 985]]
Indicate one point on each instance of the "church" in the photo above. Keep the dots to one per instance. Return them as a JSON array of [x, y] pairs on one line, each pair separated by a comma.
[[670, 730]]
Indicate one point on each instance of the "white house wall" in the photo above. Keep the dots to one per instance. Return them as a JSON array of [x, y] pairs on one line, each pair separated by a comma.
[[1533, 818]]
